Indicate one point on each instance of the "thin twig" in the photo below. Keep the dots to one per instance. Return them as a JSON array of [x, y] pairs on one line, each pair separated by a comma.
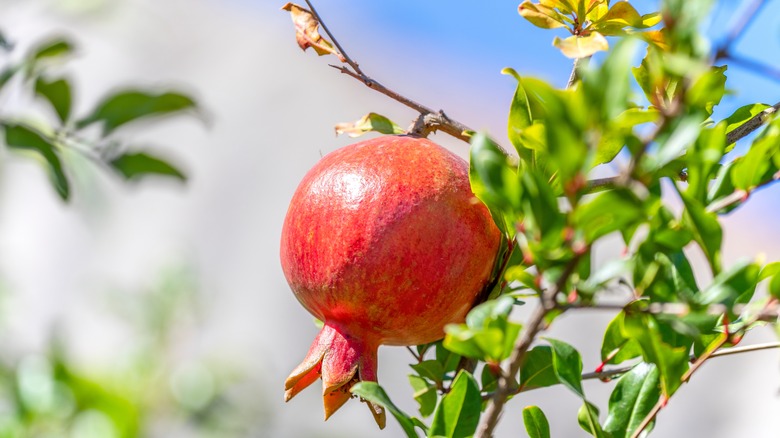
[[612, 372], [574, 76], [533, 326], [739, 195], [767, 314], [432, 120], [340, 49], [751, 124], [724, 338]]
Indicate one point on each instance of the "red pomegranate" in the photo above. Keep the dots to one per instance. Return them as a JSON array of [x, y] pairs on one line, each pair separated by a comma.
[[386, 244]]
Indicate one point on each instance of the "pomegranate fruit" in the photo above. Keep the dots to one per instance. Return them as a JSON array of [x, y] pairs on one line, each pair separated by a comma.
[[386, 244]]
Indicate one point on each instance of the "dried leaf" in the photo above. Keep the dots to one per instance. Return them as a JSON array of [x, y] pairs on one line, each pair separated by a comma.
[[540, 15], [307, 33], [370, 122], [581, 46]]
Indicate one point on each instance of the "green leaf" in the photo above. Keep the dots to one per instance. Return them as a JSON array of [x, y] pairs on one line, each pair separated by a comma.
[[373, 393], [774, 286], [487, 334], [536, 423], [23, 138], [135, 165], [567, 365], [448, 359], [736, 284], [588, 418], [425, 394], [685, 133], [708, 90], [371, 122], [521, 117], [616, 346], [703, 158], [755, 167], [482, 315], [537, 369], [706, 230], [634, 396], [493, 178], [432, 370], [460, 339], [671, 360], [607, 87], [581, 46], [130, 105], [51, 49], [607, 212], [457, 415], [58, 93], [770, 270]]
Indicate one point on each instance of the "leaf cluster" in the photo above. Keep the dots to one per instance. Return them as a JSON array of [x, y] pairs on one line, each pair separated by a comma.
[[52, 134]]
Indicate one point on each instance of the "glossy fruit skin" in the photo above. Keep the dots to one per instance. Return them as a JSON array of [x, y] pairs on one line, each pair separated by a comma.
[[386, 244]]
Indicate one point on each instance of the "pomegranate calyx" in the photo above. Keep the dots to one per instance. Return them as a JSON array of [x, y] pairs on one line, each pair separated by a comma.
[[341, 361]]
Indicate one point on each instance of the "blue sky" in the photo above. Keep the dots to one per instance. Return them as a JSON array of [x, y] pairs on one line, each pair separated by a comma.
[[467, 43]]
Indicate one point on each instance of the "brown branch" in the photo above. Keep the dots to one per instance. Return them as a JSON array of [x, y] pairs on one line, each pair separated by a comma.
[[574, 76], [533, 326], [739, 195], [751, 124], [340, 49], [431, 119], [769, 313]]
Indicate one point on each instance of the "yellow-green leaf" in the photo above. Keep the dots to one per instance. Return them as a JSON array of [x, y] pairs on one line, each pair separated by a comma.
[[370, 122], [581, 46], [540, 15]]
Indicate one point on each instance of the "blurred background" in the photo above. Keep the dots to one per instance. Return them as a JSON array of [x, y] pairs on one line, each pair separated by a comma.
[[162, 305]]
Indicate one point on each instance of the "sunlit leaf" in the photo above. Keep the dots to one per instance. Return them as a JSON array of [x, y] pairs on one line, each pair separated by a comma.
[[540, 15], [708, 90], [622, 14], [371, 122], [130, 105], [307, 31], [536, 423], [577, 46], [51, 49]]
